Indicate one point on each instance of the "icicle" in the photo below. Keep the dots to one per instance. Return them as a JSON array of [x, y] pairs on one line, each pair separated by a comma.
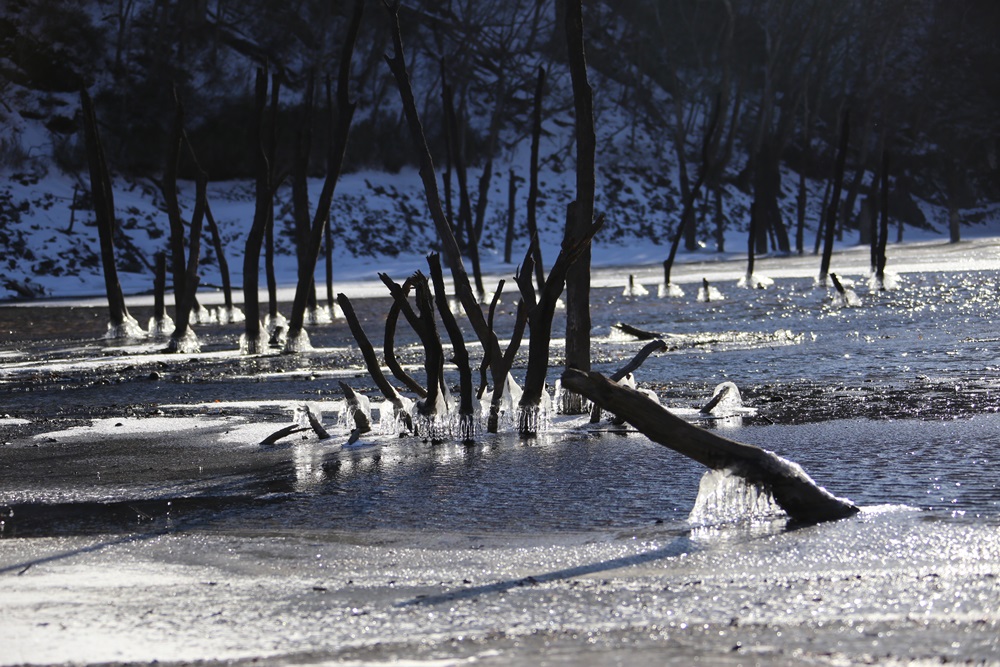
[[258, 346], [670, 290], [129, 328], [725, 497], [300, 343], [633, 288], [186, 344], [230, 315], [160, 327]]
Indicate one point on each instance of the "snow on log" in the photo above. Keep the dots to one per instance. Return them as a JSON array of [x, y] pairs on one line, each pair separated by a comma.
[[792, 488]]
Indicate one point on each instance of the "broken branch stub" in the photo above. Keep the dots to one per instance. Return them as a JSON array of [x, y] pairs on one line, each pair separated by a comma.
[[796, 493]]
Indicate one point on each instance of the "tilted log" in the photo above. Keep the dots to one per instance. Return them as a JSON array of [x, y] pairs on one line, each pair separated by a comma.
[[791, 487]]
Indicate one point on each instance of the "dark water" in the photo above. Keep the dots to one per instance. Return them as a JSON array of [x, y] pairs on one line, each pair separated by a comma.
[[891, 402]]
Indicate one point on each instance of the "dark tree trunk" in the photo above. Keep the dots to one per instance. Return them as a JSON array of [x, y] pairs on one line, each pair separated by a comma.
[[104, 211], [751, 239], [536, 133], [830, 222], [452, 254], [179, 338], [767, 188], [687, 214], [540, 312], [177, 261], [883, 235], [456, 132], [577, 226], [253, 343], [159, 292], [272, 150], [227, 287], [466, 411], [371, 361], [335, 162], [508, 243], [423, 324], [389, 343]]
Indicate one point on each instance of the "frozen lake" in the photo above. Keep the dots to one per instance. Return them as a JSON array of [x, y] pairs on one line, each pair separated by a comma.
[[142, 520]]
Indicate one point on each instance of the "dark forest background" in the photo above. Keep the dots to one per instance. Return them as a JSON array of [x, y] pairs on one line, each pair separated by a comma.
[[920, 78]]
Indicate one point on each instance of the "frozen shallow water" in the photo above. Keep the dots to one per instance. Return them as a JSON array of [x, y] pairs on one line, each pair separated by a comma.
[[142, 520]]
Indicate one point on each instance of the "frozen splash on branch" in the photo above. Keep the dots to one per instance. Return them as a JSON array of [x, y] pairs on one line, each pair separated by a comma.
[[129, 328], [724, 496], [670, 290]]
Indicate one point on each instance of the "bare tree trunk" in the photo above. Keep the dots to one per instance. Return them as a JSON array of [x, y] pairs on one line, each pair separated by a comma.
[[159, 290], [452, 254], [389, 342], [883, 235], [169, 186], [181, 340], [368, 352], [227, 287], [253, 343], [536, 133], [104, 212], [508, 243], [540, 314], [466, 412], [335, 161], [577, 226], [272, 151], [432, 405], [830, 223]]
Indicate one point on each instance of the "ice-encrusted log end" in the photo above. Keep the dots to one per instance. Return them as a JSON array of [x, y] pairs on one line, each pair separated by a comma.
[[800, 497]]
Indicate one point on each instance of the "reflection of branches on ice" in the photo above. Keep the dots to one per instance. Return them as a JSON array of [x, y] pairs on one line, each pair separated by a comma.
[[670, 290], [129, 328]]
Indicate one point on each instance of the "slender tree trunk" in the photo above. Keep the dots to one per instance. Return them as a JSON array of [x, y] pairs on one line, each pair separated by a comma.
[[831, 212], [227, 287], [578, 276], [536, 133], [272, 151], [883, 222], [335, 161], [253, 343], [508, 244], [466, 413], [104, 212], [463, 288]]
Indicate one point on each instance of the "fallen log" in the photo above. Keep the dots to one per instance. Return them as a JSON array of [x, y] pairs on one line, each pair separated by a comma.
[[636, 332], [796, 493]]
